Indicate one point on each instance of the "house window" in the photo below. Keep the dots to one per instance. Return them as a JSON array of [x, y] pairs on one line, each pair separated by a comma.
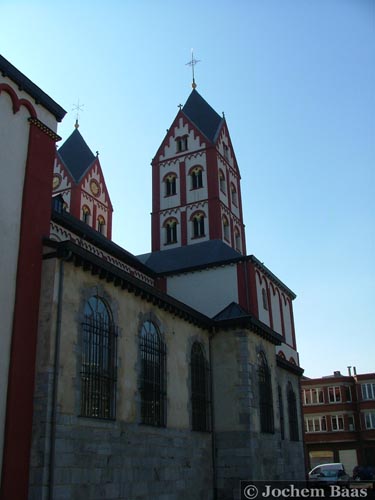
[[198, 225], [101, 224], [281, 412], [337, 422], [199, 389], [292, 413], [313, 396], [370, 420], [234, 195], [348, 393], [226, 228], [334, 394], [368, 391], [316, 424], [170, 231], [181, 144], [170, 184], [222, 182], [86, 214], [264, 299], [196, 178], [265, 395], [351, 423], [98, 362], [152, 380]]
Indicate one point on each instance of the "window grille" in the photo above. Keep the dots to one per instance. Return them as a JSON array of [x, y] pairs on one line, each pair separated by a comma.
[[281, 410], [98, 362], [292, 414], [152, 383], [265, 395], [200, 401]]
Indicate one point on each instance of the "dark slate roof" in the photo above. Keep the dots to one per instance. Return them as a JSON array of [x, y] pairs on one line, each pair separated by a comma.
[[7, 69], [233, 310], [202, 115], [76, 155], [199, 255]]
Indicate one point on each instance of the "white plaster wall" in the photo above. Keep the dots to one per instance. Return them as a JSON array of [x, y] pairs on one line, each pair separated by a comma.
[[276, 316], [262, 313], [14, 135], [287, 322], [209, 291]]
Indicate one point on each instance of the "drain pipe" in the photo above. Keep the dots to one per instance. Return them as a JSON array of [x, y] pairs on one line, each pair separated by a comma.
[[213, 434], [56, 362]]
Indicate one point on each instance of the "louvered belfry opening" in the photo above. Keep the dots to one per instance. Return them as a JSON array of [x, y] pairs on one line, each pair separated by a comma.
[[152, 380], [98, 366], [200, 401]]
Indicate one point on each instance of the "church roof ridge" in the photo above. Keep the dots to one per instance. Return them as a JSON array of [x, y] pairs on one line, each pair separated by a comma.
[[204, 117], [76, 155]]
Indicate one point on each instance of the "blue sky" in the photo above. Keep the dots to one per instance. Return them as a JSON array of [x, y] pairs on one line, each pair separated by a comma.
[[296, 80]]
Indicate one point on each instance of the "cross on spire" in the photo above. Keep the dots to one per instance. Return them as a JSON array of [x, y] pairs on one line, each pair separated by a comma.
[[192, 63], [78, 108]]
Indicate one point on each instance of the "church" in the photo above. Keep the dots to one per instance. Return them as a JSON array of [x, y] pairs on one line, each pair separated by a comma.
[[168, 375]]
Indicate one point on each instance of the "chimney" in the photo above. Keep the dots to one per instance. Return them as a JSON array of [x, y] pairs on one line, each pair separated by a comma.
[[354, 371], [349, 371], [337, 374]]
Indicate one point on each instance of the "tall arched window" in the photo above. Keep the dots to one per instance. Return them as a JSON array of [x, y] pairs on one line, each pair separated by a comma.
[[222, 181], [170, 231], [226, 227], [265, 395], [170, 184], [98, 361], [86, 214], [200, 404], [234, 194], [198, 225], [281, 412], [237, 239], [196, 177], [152, 380], [101, 224], [264, 299], [292, 414]]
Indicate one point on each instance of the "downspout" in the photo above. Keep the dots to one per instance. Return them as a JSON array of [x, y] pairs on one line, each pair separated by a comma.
[[56, 362], [213, 434]]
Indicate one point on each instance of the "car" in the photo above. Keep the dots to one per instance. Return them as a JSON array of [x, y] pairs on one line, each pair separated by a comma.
[[361, 473], [326, 474]]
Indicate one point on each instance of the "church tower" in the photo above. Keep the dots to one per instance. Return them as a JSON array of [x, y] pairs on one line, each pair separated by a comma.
[[196, 187], [79, 179]]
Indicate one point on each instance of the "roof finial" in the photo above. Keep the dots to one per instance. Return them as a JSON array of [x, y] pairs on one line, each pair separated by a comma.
[[192, 63], [77, 107]]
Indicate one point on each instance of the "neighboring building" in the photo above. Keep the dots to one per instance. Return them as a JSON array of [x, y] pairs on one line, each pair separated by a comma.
[[28, 123], [339, 416], [171, 374]]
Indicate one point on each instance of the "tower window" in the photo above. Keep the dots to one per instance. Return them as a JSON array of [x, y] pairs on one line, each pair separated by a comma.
[[196, 178], [170, 231], [86, 214], [200, 403], [222, 181], [152, 380], [98, 362], [234, 195], [101, 224], [170, 184], [265, 395], [237, 239], [226, 228], [198, 225], [226, 151], [264, 299], [181, 144]]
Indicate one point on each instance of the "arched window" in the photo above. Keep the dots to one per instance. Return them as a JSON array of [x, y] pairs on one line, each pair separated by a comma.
[[281, 412], [152, 380], [222, 182], [181, 144], [198, 225], [86, 214], [292, 414], [170, 231], [237, 239], [264, 299], [98, 361], [170, 184], [265, 395], [226, 228], [199, 389], [196, 177], [234, 194], [101, 224]]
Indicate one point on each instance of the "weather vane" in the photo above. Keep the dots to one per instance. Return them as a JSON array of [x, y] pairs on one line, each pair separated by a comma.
[[78, 108], [192, 63]]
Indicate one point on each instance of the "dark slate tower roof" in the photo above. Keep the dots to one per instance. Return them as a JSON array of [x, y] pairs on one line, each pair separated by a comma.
[[202, 115], [76, 155]]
